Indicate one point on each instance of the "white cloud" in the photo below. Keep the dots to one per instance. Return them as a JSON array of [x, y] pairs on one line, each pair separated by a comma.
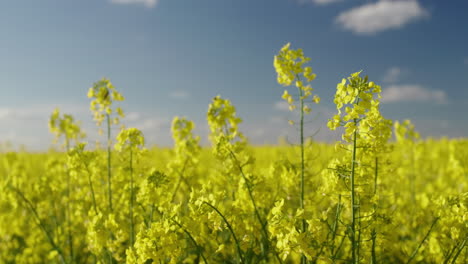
[[325, 2], [132, 116], [320, 2], [28, 125], [277, 120], [153, 124], [179, 94], [5, 113], [383, 15], [41, 111], [282, 106], [147, 3], [412, 93], [393, 75], [156, 129]]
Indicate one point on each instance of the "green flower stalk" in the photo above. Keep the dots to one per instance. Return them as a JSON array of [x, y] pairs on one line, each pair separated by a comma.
[[365, 130], [229, 143], [104, 94], [230, 148], [65, 125], [131, 140], [226, 137], [186, 150], [289, 65], [79, 161]]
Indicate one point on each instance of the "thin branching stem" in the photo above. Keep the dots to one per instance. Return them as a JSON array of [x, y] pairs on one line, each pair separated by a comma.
[[257, 214], [459, 251], [422, 241], [239, 251], [199, 248], [90, 182], [179, 181], [335, 223], [41, 224]]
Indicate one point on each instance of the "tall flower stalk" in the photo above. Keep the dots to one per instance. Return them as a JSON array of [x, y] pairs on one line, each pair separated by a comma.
[[186, 152], [366, 131], [104, 94], [65, 126], [289, 65], [131, 141]]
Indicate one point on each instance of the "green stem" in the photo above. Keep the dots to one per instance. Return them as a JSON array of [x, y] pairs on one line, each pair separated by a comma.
[[334, 257], [335, 223], [422, 242], [459, 251], [358, 231], [257, 214], [302, 159], [132, 226], [301, 200], [109, 255], [373, 232], [413, 175], [449, 255], [109, 172], [90, 183], [69, 231], [41, 224], [376, 174], [353, 197], [67, 144], [199, 248], [239, 251], [92, 190], [151, 215], [249, 189], [179, 181], [373, 251]]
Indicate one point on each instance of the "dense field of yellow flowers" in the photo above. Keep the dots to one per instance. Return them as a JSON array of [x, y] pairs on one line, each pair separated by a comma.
[[380, 195]]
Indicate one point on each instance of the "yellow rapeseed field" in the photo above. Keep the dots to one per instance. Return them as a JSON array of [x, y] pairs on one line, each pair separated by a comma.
[[380, 195]]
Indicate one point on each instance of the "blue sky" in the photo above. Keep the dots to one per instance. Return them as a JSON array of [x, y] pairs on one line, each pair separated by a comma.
[[170, 57]]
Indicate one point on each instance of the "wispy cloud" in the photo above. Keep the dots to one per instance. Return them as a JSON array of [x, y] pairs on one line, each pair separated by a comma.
[[282, 106], [383, 15], [393, 75], [320, 2], [412, 93], [179, 94], [28, 125], [132, 116], [147, 3], [155, 128], [40, 111], [152, 124]]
